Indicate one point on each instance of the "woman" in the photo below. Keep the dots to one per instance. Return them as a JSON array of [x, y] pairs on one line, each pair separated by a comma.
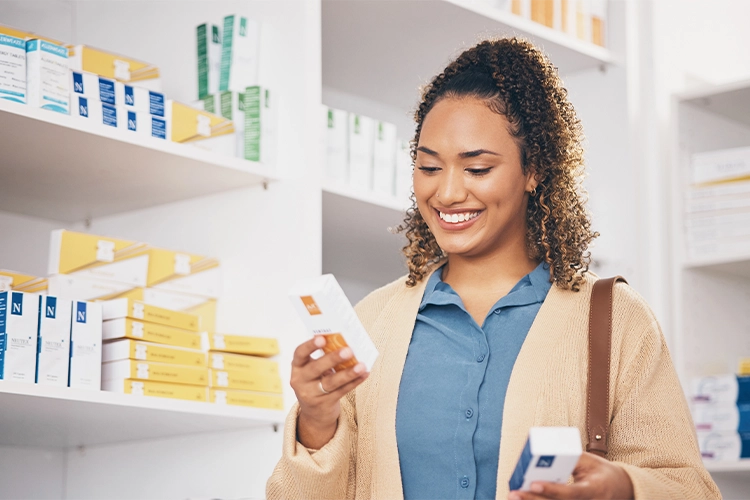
[[487, 336]]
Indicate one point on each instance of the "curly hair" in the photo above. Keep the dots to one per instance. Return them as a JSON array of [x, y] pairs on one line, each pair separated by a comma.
[[517, 80]]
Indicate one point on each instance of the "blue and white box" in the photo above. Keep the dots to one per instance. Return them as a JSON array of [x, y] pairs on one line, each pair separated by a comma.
[[98, 112], [145, 124], [551, 454], [12, 68], [47, 81], [140, 99], [93, 87], [19, 320], [728, 388], [53, 353], [86, 346]]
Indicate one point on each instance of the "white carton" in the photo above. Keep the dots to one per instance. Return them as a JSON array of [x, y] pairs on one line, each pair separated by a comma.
[[325, 310], [12, 68], [86, 346], [78, 288], [719, 446], [208, 37], [98, 112], [140, 99], [337, 146], [260, 125], [384, 159], [722, 165], [93, 87], [47, 81], [53, 354], [231, 105], [145, 124], [19, 321], [724, 417], [240, 46], [550, 454], [715, 389], [361, 132]]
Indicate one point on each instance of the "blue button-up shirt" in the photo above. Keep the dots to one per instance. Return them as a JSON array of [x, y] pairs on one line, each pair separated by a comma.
[[450, 402]]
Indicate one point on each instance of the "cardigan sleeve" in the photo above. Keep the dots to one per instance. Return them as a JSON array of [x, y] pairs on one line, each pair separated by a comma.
[[652, 435], [327, 473]]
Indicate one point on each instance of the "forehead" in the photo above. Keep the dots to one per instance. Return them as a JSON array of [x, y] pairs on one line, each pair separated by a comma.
[[464, 124]]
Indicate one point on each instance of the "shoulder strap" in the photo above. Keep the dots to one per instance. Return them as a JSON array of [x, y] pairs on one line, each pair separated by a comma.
[[600, 336]]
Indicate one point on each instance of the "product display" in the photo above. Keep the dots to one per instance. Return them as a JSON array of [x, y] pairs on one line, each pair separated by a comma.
[[47, 80], [140, 311], [240, 344], [245, 380], [12, 280], [246, 398], [125, 328], [198, 305], [140, 99], [114, 66], [200, 128], [53, 352], [79, 288], [239, 53], [13, 62], [99, 113], [85, 346], [723, 446], [184, 273], [157, 389], [208, 37], [157, 372], [260, 125], [337, 146], [325, 310], [19, 319], [361, 130], [93, 87], [550, 454], [119, 350]]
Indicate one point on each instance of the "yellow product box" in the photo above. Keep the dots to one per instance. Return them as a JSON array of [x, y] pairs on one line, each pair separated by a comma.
[[241, 344], [744, 367], [202, 307], [147, 351], [125, 328], [98, 257], [12, 280], [73, 287], [158, 372], [138, 310], [201, 128], [245, 380], [243, 362], [246, 398], [157, 389], [110, 65], [184, 273]]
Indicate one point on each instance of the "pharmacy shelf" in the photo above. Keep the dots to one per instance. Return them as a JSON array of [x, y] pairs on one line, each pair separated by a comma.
[[64, 168], [368, 197], [738, 466], [358, 241], [418, 36], [53, 417], [731, 100]]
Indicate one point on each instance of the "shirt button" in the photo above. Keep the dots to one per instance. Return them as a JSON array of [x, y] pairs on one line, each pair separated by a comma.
[[480, 358], [469, 413], [464, 482]]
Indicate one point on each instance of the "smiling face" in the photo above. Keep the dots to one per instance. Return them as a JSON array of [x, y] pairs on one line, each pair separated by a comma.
[[468, 182]]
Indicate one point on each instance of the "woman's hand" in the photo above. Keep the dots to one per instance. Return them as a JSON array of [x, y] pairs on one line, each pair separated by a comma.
[[319, 390], [594, 477]]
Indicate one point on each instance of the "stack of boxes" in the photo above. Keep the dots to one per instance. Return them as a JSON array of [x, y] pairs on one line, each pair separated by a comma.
[[717, 205], [228, 85], [720, 406], [366, 154]]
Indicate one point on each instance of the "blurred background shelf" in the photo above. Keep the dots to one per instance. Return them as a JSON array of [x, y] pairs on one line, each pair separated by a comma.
[[62, 168], [739, 466], [54, 417]]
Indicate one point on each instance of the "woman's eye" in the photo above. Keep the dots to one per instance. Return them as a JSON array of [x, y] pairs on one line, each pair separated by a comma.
[[429, 170], [479, 171]]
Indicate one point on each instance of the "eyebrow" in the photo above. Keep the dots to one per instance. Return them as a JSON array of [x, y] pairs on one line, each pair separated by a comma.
[[464, 154]]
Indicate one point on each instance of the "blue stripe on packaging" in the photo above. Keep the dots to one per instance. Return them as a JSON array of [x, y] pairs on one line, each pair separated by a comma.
[[158, 128], [42, 307], [10, 92], [743, 385], [107, 91], [12, 41], [32, 45], [519, 473], [156, 103], [3, 333], [52, 48], [109, 115]]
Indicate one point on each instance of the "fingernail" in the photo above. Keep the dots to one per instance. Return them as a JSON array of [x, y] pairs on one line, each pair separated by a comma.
[[360, 368], [537, 488], [346, 353], [514, 496], [320, 341]]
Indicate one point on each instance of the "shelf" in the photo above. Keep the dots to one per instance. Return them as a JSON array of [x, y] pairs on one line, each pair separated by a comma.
[[369, 197], [730, 100], [737, 266], [738, 466], [54, 417], [384, 51], [63, 168]]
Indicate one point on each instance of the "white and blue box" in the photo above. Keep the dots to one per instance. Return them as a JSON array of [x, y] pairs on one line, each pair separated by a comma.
[[93, 87], [19, 321], [99, 112], [145, 123], [13, 68], [551, 454], [47, 81], [53, 352], [139, 99], [86, 346]]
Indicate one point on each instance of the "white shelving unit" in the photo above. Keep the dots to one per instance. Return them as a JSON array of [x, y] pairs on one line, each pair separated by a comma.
[[710, 298], [52, 417]]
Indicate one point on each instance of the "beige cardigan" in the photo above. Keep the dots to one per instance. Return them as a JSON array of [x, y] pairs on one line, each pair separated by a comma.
[[652, 435]]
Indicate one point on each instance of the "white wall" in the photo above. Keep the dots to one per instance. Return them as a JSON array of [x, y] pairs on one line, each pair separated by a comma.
[[31, 473]]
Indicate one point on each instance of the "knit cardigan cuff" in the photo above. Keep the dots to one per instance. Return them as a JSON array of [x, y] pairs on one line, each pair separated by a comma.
[[649, 484], [331, 459]]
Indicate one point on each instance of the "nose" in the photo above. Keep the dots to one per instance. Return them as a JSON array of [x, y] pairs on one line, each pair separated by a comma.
[[452, 187]]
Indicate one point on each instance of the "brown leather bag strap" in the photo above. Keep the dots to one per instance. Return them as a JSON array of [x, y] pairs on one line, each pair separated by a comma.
[[600, 349]]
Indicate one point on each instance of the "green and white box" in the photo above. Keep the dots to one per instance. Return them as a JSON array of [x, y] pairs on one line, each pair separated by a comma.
[[231, 105], [209, 59], [240, 46], [384, 159], [260, 125], [13, 69], [53, 353], [337, 146], [361, 132], [19, 320], [47, 76], [86, 346]]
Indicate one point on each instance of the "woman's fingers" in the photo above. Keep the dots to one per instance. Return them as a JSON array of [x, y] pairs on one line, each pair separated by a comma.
[[333, 383], [305, 349], [344, 389]]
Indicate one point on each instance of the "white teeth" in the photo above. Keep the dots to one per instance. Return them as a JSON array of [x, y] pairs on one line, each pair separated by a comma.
[[456, 218]]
